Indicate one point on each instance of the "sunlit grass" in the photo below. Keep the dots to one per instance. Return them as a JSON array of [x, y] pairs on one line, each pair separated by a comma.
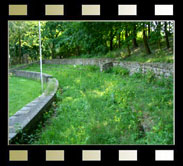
[[21, 92]]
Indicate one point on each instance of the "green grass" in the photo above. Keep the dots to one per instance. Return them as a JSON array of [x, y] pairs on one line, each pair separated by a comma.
[[21, 92], [157, 55], [108, 108]]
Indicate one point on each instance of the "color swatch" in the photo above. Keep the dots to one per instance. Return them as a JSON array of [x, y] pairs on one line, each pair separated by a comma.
[[52, 10], [127, 10], [91, 155], [54, 155], [17, 10], [90, 10]]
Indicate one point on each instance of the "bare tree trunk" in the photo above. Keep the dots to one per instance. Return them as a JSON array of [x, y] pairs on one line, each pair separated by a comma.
[[134, 40], [158, 29], [146, 45], [126, 38], [166, 35], [149, 30]]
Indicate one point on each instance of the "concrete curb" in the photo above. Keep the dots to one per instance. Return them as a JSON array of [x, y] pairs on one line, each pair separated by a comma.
[[28, 116]]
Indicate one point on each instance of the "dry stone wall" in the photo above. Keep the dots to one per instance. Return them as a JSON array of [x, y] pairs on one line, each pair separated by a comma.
[[157, 68], [79, 61], [165, 69], [106, 66]]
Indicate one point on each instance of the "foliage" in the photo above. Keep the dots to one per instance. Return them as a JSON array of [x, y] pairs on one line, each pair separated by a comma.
[[87, 39], [120, 71]]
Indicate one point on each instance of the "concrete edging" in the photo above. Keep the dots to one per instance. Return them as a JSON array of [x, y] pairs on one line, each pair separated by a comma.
[[28, 116]]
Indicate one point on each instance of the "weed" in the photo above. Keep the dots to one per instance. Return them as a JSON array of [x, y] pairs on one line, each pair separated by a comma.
[[106, 108]]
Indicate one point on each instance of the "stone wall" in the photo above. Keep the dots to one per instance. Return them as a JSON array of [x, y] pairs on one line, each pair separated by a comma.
[[31, 74], [165, 69], [106, 66], [27, 118], [159, 69], [23, 66], [79, 61]]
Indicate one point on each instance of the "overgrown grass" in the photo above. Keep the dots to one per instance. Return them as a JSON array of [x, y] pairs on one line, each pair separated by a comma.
[[108, 108], [21, 92]]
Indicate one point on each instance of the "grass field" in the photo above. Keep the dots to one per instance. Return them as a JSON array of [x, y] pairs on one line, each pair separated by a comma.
[[108, 108], [21, 92]]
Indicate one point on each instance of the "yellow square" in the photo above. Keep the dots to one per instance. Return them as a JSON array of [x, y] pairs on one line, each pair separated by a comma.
[[54, 10], [18, 155], [15, 10], [91, 10], [54, 155]]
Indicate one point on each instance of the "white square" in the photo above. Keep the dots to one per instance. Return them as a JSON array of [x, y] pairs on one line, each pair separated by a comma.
[[162, 10], [127, 155], [164, 155], [127, 10]]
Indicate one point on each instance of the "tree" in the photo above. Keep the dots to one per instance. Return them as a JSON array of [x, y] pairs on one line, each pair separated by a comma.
[[158, 31], [134, 40], [146, 45], [149, 29], [127, 40], [66, 39], [166, 35]]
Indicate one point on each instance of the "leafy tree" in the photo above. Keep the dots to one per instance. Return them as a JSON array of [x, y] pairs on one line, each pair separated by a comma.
[[66, 39]]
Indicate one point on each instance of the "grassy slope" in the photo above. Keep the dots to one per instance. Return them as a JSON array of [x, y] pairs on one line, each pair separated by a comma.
[[21, 92], [104, 108], [138, 54]]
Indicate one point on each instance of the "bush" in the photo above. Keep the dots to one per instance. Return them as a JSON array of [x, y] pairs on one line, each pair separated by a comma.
[[150, 77], [93, 68], [120, 71], [165, 82]]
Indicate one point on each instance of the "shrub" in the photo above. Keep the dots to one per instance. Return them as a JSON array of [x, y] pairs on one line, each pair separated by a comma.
[[92, 68], [150, 77], [120, 71]]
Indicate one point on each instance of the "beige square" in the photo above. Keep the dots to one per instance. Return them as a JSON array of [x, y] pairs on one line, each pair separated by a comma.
[[18, 155], [17, 10], [164, 155], [54, 155], [91, 155], [54, 10], [162, 10], [90, 10], [129, 10], [127, 155]]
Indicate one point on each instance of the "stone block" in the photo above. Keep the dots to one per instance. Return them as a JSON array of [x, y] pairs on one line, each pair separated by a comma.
[[106, 66]]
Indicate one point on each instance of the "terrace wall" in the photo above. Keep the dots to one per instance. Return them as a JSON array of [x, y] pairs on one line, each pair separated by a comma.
[[165, 69]]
